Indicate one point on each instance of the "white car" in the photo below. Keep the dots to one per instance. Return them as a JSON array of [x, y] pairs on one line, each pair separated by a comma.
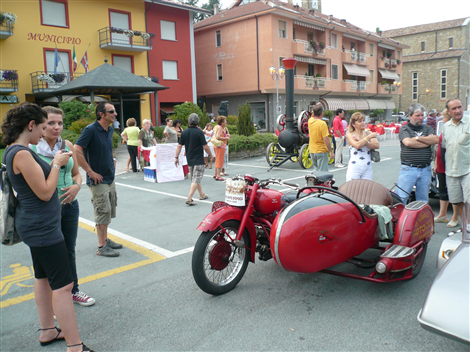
[[446, 310]]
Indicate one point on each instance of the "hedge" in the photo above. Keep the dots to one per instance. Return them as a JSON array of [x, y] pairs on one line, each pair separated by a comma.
[[238, 142]]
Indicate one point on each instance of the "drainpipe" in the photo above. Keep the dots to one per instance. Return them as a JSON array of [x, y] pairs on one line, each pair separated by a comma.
[[257, 54]]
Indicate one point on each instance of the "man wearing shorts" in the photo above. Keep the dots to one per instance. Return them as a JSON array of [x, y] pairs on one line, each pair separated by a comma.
[[194, 143], [319, 143], [94, 149], [456, 150]]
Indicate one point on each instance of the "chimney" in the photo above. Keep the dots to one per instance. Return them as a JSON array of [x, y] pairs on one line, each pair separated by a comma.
[[343, 21], [311, 12], [296, 7], [379, 33], [216, 9]]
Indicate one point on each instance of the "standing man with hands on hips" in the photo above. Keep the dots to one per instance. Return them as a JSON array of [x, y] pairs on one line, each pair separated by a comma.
[[94, 149]]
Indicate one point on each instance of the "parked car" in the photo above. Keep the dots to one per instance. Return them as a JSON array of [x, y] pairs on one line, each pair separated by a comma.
[[446, 310]]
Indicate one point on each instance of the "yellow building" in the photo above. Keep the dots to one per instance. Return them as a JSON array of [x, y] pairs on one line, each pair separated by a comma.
[[102, 28]]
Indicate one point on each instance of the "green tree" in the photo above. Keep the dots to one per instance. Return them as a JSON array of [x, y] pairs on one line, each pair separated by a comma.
[[245, 122], [183, 111], [205, 119], [73, 111], [377, 113], [199, 16]]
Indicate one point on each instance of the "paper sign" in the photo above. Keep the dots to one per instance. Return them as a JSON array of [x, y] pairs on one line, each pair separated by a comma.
[[166, 169], [235, 192]]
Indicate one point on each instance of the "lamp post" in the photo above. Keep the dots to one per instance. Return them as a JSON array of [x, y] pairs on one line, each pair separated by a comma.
[[397, 87], [277, 75], [425, 93]]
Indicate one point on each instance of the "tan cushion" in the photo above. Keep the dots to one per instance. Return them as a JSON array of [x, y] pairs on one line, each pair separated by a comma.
[[366, 192]]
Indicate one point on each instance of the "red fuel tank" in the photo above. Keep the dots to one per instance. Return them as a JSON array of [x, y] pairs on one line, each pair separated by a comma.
[[267, 201]]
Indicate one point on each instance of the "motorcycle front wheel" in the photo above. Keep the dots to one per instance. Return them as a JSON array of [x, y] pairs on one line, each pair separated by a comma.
[[217, 264]]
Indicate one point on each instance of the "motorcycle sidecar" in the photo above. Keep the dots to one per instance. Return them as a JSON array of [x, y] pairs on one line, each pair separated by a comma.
[[328, 227]]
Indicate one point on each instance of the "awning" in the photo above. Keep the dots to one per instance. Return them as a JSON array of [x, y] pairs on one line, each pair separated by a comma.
[[309, 60], [167, 110], [361, 104], [334, 104], [356, 70], [386, 74], [390, 104], [376, 104]]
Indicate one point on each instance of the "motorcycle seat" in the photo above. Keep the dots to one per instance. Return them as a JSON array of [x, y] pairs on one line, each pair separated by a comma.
[[318, 177], [366, 192]]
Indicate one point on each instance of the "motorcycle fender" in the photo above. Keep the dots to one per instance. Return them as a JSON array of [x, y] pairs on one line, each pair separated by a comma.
[[213, 220], [416, 223]]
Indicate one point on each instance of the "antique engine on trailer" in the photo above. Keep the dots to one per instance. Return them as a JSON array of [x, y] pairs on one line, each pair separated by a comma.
[[293, 140]]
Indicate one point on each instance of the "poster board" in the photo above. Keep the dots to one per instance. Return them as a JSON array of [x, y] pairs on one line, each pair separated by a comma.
[[166, 169]]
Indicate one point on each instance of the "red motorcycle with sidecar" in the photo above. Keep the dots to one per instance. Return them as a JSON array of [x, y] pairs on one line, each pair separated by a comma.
[[311, 229]]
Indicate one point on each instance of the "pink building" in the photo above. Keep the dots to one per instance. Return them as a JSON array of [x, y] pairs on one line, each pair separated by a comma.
[[338, 63]]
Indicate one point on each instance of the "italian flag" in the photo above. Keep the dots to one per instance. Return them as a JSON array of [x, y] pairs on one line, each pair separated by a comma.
[[74, 58]]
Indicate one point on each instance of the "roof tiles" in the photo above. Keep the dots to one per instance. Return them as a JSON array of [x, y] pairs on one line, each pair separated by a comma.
[[424, 28]]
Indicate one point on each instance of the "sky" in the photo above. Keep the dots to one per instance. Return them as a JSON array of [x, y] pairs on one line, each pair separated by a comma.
[[391, 14]]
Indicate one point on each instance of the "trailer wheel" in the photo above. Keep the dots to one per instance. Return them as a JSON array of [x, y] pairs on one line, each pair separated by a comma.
[[295, 158], [331, 158], [304, 157], [271, 152], [419, 260]]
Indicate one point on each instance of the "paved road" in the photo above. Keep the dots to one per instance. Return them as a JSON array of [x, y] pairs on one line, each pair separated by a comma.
[[147, 299]]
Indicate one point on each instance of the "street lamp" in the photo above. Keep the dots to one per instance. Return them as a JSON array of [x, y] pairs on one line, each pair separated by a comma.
[[277, 75], [397, 87], [425, 93]]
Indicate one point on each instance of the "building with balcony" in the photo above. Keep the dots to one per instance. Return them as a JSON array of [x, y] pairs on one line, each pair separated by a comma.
[[339, 64], [436, 63], [131, 35]]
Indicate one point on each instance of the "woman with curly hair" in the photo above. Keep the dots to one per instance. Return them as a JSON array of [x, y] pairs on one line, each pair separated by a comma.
[[37, 220]]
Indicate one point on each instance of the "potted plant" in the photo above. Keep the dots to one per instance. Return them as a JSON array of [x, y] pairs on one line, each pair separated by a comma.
[[387, 64], [314, 46], [398, 62], [7, 17], [10, 75], [129, 33], [46, 78], [321, 45], [389, 55], [58, 77], [116, 30]]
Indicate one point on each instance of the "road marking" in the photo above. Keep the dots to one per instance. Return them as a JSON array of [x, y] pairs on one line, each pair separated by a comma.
[[135, 244], [163, 193], [152, 252]]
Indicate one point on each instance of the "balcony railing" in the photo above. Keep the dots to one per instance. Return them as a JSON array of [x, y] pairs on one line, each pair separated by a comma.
[[388, 88], [124, 39], [307, 48], [7, 22], [315, 82], [8, 81], [355, 85], [42, 81], [361, 57]]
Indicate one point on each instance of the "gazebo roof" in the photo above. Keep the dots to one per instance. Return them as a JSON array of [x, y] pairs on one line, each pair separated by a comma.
[[105, 80]]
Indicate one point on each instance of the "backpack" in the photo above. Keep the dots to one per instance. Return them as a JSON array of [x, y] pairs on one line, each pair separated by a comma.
[[8, 202]]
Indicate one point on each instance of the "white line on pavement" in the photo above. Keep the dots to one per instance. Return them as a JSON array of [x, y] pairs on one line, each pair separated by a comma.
[[164, 252], [163, 193]]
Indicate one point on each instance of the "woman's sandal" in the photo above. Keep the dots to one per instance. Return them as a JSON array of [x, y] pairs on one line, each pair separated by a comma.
[[220, 179], [190, 202], [57, 338], [84, 347], [205, 196]]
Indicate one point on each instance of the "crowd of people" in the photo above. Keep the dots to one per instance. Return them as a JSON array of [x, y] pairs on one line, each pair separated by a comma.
[[43, 169]]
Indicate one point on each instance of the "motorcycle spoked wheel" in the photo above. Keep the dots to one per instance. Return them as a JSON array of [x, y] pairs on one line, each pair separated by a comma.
[[217, 264], [419, 260]]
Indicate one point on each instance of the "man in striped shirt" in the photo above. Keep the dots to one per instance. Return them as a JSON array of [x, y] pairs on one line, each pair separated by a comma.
[[416, 141]]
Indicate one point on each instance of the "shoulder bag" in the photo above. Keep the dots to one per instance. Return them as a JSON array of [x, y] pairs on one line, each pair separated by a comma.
[[8, 204], [375, 155], [216, 142]]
